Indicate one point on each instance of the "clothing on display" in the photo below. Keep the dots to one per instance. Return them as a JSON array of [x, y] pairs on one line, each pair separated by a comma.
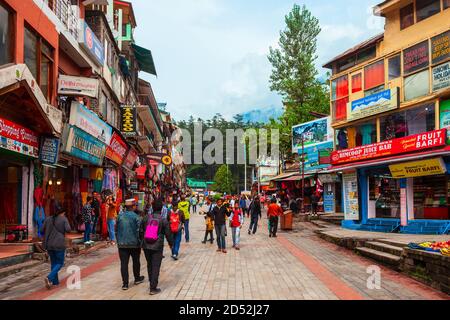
[[342, 139], [351, 133], [366, 131]]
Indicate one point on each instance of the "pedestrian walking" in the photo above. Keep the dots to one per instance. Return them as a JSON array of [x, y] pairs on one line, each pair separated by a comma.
[[247, 205], [274, 212], [96, 212], [255, 215], [176, 223], [54, 230], [209, 224], [86, 214], [243, 204], [153, 230], [194, 202], [236, 222], [129, 243], [183, 205], [315, 198], [111, 219], [219, 213]]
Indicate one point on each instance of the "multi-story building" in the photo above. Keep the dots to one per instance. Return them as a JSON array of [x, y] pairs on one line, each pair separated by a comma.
[[390, 108]]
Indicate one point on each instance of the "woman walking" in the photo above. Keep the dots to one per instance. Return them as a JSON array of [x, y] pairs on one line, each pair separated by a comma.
[[54, 230], [111, 219], [236, 222]]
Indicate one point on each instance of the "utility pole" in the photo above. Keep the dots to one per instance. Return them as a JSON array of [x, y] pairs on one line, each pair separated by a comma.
[[245, 167], [303, 175]]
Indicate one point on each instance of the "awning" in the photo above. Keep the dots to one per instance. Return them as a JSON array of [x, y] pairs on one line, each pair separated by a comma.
[[297, 177], [145, 59], [283, 176]]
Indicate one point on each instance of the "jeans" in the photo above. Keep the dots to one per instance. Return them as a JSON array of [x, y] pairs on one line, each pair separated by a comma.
[[124, 254], [154, 259], [186, 230], [220, 235], [56, 263], [236, 233], [211, 237], [194, 208], [176, 243], [94, 224], [253, 224], [111, 231], [273, 225], [87, 231]]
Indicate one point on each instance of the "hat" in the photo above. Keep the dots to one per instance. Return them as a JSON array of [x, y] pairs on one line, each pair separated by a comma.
[[130, 202]]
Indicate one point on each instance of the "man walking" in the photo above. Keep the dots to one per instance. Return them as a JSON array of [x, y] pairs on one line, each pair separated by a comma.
[[86, 214], [243, 205], [273, 213], [219, 213], [176, 222], [255, 214], [194, 202], [128, 242], [153, 249], [96, 212], [183, 205]]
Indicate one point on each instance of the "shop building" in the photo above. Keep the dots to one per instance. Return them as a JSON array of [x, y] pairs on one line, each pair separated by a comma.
[[390, 100]]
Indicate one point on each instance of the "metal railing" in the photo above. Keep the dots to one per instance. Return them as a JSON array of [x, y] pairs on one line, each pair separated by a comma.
[[68, 14]]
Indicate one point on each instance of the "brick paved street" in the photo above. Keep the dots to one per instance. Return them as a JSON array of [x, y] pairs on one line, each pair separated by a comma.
[[296, 265]]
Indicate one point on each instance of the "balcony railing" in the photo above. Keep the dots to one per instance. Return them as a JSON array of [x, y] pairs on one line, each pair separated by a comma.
[[67, 13]]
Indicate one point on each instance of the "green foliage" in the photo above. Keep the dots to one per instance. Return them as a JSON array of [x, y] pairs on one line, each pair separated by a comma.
[[223, 180]]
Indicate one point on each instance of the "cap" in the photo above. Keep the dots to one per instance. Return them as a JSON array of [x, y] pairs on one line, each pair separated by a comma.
[[130, 202]]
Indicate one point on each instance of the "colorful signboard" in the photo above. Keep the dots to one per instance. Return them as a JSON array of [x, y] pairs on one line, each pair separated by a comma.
[[312, 133], [49, 150], [412, 143], [420, 168], [445, 118], [131, 158], [128, 116], [117, 149], [441, 76], [312, 155], [92, 45], [440, 47], [374, 104], [88, 121], [84, 146], [328, 202], [77, 86], [351, 203], [14, 137], [415, 58]]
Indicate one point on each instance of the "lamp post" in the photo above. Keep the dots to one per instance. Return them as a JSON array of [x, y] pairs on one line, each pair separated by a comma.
[[302, 210]]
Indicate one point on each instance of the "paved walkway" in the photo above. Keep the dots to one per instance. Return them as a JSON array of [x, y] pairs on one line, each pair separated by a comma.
[[296, 265]]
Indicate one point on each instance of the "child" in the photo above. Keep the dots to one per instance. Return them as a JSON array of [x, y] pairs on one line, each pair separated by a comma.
[[236, 221], [209, 222]]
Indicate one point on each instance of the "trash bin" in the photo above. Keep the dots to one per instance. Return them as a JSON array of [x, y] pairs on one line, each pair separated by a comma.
[[286, 220]]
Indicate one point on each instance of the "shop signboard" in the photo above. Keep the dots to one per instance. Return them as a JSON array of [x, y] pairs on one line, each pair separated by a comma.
[[420, 168], [312, 155], [92, 45], [351, 204], [441, 76], [131, 158], [49, 150], [386, 100], [328, 178], [415, 58], [88, 121], [312, 133], [440, 47], [16, 138], [445, 118], [117, 149], [84, 146], [78, 86], [412, 143], [128, 119], [328, 202]]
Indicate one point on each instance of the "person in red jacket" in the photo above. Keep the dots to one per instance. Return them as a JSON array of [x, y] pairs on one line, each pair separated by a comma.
[[273, 213]]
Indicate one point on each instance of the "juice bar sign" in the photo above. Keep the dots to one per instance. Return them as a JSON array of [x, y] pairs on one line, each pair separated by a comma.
[[14, 137], [413, 143]]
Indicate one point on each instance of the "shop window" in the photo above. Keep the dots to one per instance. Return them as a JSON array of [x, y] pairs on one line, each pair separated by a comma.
[[367, 54], [410, 122], [340, 93], [31, 59], [104, 106], [341, 139], [417, 85], [395, 67], [374, 75], [427, 8], [357, 83], [384, 196], [407, 16], [356, 136], [6, 38], [431, 197], [340, 109]]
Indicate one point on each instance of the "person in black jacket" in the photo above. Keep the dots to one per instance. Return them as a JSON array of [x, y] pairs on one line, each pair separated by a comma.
[[154, 251], [255, 214], [218, 213]]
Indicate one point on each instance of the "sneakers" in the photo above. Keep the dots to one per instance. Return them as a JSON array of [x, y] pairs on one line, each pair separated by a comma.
[[224, 251], [155, 291], [204, 242], [125, 287], [249, 232], [174, 257], [48, 284], [237, 248], [139, 280]]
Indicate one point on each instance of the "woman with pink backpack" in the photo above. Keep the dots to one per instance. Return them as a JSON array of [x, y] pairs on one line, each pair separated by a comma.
[[236, 222]]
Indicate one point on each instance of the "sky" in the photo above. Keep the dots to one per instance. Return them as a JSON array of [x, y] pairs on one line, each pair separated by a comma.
[[211, 55]]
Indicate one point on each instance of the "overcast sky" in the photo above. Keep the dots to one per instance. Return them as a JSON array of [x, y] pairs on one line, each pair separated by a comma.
[[211, 55]]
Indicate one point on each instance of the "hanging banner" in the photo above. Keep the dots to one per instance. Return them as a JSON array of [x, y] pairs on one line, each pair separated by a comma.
[[16, 138], [88, 121], [128, 119], [351, 204], [429, 167], [49, 150], [131, 158], [412, 143], [84, 146], [441, 76], [117, 149], [77, 86], [416, 58], [440, 47], [374, 104]]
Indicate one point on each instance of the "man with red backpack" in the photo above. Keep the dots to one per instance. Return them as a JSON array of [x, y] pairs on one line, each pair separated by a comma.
[[176, 222], [152, 232], [236, 222]]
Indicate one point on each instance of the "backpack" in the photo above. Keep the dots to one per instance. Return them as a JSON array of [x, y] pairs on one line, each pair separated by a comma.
[[152, 230], [235, 223], [175, 223]]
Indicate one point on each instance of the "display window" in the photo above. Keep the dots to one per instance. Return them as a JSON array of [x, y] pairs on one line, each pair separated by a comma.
[[384, 195], [427, 8], [357, 83], [407, 16], [356, 136], [417, 85], [431, 197], [374, 75], [340, 92]]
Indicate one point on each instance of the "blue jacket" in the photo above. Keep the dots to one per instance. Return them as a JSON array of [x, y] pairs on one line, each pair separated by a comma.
[[128, 226], [242, 203]]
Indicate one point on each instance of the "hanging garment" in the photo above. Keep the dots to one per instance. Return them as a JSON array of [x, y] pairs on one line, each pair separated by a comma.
[[39, 218], [366, 131], [351, 133], [104, 223], [90, 186], [84, 196], [97, 185], [83, 185], [85, 173], [342, 139]]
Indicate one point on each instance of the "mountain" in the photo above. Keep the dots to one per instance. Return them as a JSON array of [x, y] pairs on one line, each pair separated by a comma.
[[262, 115]]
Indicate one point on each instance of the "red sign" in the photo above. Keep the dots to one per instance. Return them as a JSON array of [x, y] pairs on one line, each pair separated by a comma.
[[117, 149], [413, 143], [19, 139], [130, 159]]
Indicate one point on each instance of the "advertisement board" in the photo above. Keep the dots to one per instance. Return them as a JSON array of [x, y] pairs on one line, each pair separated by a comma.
[[117, 149], [84, 146], [49, 150], [441, 77], [88, 121], [412, 143], [440, 47], [131, 158], [351, 203], [92, 45], [312, 133], [374, 104], [444, 118], [416, 57], [312, 155], [16, 138], [78, 86], [420, 168], [128, 119]]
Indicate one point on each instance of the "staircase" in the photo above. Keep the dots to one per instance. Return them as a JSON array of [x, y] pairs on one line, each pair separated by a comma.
[[427, 227], [375, 225], [384, 252], [332, 218]]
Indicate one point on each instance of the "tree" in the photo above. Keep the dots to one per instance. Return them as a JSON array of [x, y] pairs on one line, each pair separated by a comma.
[[294, 74], [223, 180]]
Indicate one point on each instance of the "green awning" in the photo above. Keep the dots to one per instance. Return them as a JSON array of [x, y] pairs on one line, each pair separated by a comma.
[[145, 59]]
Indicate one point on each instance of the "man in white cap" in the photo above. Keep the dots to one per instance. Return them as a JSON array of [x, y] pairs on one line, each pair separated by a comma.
[[128, 242]]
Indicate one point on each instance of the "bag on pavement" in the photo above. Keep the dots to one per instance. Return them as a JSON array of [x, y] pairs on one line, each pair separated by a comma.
[[152, 230], [175, 223]]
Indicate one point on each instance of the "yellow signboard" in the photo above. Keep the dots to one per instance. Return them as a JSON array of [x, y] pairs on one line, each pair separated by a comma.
[[418, 168]]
